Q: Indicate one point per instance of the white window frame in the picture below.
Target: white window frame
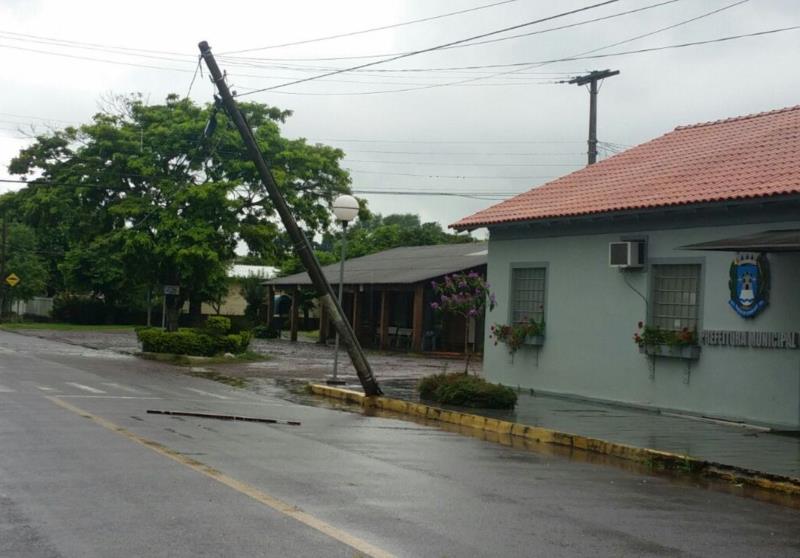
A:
(673, 304)
(535, 305)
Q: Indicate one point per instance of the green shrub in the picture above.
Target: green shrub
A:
(234, 342)
(265, 332)
(192, 342)
(466, 391)
(240, 323)
(217, 325)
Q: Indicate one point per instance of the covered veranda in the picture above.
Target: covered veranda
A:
(387, 298)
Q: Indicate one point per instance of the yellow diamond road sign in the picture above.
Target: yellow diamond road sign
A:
(12, 280)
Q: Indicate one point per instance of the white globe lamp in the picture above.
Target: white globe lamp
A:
(345, 208)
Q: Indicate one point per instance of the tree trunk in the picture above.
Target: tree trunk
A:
(149, 307)
(173, 311)
(195, 311)
(466, 346)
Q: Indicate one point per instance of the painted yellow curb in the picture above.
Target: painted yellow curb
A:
(653, 458)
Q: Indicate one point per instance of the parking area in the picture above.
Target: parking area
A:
(303, 360)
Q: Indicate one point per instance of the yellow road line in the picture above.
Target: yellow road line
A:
(295, 513)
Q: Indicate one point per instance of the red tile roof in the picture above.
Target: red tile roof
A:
(745, 157)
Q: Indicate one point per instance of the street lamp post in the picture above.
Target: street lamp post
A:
(345, 208)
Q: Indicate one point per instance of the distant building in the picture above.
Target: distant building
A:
(234, 303)
(697, 235)
(387, 296)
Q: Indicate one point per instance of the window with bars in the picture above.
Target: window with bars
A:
(675, 297)
(527, 294)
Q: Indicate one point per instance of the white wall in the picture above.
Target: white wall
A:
(591, 316)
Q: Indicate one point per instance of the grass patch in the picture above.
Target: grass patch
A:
(57, 326)
(466, 391)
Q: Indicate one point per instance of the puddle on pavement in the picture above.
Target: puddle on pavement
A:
(296, 392)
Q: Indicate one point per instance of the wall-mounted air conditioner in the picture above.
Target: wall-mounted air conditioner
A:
(626, 255)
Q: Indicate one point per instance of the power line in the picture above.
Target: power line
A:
(93, 59)
(433, 48)
(135, 53)
(256, 76)
(608, 55)
(479, 196)
(36, 117)
(460, 68)
(462, 163)
(370, 30)
(596, 56)
(581, 56)
(477, 43)
(487, 195)
(472, 153)
(454, 176)
(478, 142)
(96, 46)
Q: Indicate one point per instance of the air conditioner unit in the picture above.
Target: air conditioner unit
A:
(626, 255)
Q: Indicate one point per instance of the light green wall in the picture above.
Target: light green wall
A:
(591, 316)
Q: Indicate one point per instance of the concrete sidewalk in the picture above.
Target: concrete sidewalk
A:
(706, 440)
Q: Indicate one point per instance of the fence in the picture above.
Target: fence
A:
(37, 306)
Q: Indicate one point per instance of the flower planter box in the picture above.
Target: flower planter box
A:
(685, 352)
(534, 340)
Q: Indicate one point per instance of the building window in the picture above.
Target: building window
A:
(676, 293)
(527, 294)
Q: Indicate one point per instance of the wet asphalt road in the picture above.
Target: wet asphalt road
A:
(85, 472)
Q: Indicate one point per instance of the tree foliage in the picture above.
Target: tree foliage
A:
(24, 261)
(139, 197)
(374, 233)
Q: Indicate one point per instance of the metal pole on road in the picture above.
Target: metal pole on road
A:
(301, 244)
(334, 380)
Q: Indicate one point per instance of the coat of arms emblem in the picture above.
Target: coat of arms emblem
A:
(749, 284)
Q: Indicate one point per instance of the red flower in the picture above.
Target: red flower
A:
(641, 325)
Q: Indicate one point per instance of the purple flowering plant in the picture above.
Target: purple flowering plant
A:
(464, 294)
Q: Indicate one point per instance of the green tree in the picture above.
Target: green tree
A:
(375, 233)
(254, 292)
(140, 197)
(24, 261)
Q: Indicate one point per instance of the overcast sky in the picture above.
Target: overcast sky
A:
(494, 135)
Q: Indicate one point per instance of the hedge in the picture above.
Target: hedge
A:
(266, 332)
(466, 391)
(217, 325)
(192, 342)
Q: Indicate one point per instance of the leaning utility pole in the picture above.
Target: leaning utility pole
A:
(592, 78)
(299, 239)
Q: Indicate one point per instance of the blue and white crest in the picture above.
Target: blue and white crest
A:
(749, 284)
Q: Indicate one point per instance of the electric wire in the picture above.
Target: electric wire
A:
(471, 153)
(459, 68)
(460, 163)
(476, 43)
(370, 30)
(580, 56)
(453, 176)
(465, 193)
(433, 48)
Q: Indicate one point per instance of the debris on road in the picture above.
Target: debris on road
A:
(222, 417)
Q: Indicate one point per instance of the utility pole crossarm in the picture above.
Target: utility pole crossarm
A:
(301, 244)
(593, 76)
(591, 79)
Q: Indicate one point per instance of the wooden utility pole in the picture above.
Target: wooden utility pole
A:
(299, 239)
(592, 78)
